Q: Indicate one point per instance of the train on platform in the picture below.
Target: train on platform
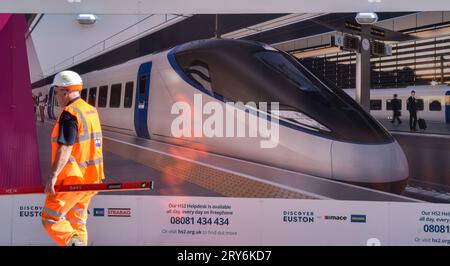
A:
(322, 131)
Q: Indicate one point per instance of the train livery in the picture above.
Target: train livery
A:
(322, 131)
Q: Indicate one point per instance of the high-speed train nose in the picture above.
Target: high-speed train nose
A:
(383, 167)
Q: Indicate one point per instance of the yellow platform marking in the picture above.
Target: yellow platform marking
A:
(227, 184)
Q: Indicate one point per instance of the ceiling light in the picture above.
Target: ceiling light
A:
(86, 19)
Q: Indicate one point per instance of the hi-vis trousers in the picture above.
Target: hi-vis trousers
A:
(65, 214)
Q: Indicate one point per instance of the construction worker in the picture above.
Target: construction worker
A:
(76, 159)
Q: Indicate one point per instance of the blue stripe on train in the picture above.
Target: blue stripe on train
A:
(142, 100)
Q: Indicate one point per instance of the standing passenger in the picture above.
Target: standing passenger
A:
(412, 107)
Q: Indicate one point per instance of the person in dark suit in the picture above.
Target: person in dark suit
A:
(396, 107)
(412, 107)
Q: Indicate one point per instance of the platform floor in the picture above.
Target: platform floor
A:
(432, 127)
(120, 169)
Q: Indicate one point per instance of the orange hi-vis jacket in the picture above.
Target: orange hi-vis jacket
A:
(86, 159)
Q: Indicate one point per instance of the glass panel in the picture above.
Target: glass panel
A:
(84, 94)
(435, 105)
(142, 83)
(128, 101)
(116, 93)
(375, 104)
(92, 96)
(103, 96)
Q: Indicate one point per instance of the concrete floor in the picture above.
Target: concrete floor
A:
(120, 169)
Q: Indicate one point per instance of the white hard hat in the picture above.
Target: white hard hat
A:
(67, 78)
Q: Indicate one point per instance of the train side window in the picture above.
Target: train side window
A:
(128, 101)
(419, 104)
(375, 104)
(84, 94)
(199, 72)
(102, 96)
(435, 105)
(92, 96)
(116, 93)
(389, 104)
(142, 83)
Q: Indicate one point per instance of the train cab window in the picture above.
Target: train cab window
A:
(102, 96)
(84, 94)
(199, 72)
(435, 105)
(92, 96)
(375, 104)
(142, 84)
(116, 93)
(128, 100)
(389, 104)
(284, 67)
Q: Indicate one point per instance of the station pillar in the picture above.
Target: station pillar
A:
(363, 79)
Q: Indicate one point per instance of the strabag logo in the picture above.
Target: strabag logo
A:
(298, 216)
(335, 218)
(358, 218)
(119, 212)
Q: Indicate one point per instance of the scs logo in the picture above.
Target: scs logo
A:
(358, 218)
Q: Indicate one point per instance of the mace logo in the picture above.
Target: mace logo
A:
(119, 212)
(335, 217)
(358, 218)
(99, 212)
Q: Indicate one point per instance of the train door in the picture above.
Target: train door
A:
(447, 107)
(141, 103)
